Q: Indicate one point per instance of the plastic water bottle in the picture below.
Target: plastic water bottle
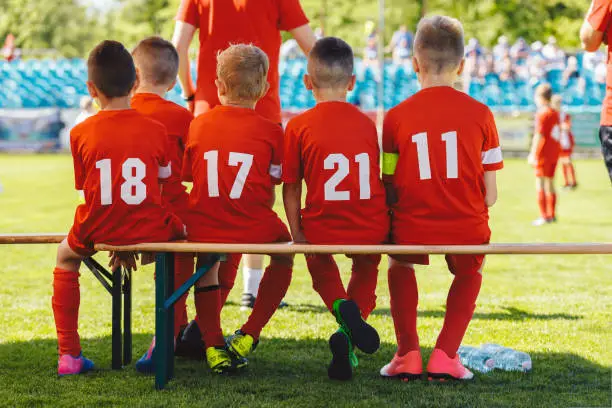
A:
(476, 359)
(507, 359)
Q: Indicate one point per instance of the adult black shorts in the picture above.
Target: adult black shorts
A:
(605, 135)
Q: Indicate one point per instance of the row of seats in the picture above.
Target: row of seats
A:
(61, 83)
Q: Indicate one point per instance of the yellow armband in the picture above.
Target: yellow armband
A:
(389, 163)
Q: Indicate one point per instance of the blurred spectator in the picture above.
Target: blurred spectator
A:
(402, 39)
(502, 48)
(318, 33)
(507, 72)
(87, 109)
(536, 50)
(571, 70)
(600, 72)
(537, 69)
(555, 56)
(590, 60)
(290, 49)
(402, 52)
(520, 51)
(473, 48)
(370, 53)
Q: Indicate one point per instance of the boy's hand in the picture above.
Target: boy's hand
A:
(147, 258)
(531, 159)
(191, 106)
(123, 259)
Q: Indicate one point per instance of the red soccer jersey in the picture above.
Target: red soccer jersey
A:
(233, 157)
(599, 18)
(176, 120)
(334, 148)
(226, 22)
(445, 141)
(547, 124)
(119, 159)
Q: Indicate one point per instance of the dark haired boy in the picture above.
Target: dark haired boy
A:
(120, 177)
(333, 147)
(157, 65)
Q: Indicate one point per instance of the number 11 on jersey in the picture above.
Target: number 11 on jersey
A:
(452, 165)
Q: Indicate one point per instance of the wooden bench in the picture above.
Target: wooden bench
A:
(166, 296)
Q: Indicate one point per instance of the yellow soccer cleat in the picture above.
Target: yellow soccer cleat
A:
(241, 344)
(219, 360)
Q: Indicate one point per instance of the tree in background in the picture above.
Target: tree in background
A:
(72, 28)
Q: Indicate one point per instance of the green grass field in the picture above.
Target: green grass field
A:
(557, 308)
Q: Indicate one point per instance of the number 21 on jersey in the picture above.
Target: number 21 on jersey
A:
(342, 164)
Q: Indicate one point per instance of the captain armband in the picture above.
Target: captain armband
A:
(389, 163)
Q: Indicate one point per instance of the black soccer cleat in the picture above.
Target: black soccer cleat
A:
(189, 343)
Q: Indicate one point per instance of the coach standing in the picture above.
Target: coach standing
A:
(594, 31)
(225, 22)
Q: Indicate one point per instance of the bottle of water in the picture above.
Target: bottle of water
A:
(476, 359)
(507, 359)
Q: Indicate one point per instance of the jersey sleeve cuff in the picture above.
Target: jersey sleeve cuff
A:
(493, 166)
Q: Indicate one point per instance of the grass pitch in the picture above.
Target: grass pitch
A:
(556, 308)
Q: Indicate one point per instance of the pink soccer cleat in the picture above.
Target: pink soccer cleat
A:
(442, 367)
(408, 367)
(68, 365)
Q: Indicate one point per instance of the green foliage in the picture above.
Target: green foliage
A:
(71, 28)
(556, 308)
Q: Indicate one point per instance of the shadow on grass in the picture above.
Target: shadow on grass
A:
(509, 313)
(285, 372)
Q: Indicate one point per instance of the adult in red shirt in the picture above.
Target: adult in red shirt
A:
(594, 31)
(223, 22)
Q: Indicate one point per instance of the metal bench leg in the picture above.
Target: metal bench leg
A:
(170, 314)
(127, 317)
(164, 266)
(117, 358)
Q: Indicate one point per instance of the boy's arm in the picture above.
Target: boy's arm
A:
(183, 35)
(79, 168)
(292, 199)
(532, 158)
(304, 37)
(490, 178)
(594, 26)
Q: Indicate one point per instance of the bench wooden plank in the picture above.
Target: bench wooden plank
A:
(30, 238)
(536, 248)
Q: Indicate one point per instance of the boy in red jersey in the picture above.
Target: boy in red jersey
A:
(334, 148)
(119, 169)
(157, 64)
(441, 152)
(233, 157)
(544, 155)
(567, 143)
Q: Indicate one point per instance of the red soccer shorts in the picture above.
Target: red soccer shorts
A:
(82, 241)
(457, 264)
(566, 153)
(546, 168)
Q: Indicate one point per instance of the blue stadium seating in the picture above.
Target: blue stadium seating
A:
(61, 83)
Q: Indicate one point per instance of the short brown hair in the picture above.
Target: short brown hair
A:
(243, 68)
(330, 63)
(439, 44)
(544, 91)
(111, 69)
(157, 61)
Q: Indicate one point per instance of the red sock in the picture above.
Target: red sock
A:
(326, 279)
(542, 204)
(460, 306)
(272, 290)
(551, 205)
(227, 275)
(208, 309)
(183, 269)
(566, 174)
(362, 286)
(404, 294)
(65, 301)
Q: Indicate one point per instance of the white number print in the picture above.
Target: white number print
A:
(341, 162)
(452, 162)
(556, 133)
(245, 161)
(133, 190)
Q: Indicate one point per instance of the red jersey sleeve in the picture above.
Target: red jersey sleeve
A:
(276, 165)
(292, 166)
(79, 167)
(163, 160)
(188, 12)
(540, 120)
(291, 15)
(491, 151)
(599, 15)
(187, 165)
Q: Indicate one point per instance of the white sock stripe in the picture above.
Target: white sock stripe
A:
(165, 172)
